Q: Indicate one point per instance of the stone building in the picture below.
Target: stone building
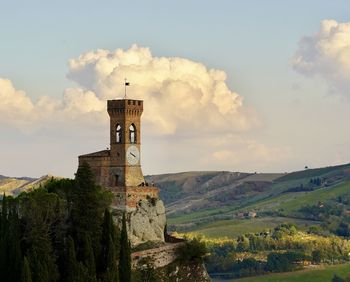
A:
(118, 169)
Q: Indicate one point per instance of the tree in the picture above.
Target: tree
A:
(88, 204)
(71, 265)
(242, 244)
(317, 256)
(89, 259)
(26, 272)
(278, 263)
(39, 214)
(108, 257)
(125, 254)
(192, 250)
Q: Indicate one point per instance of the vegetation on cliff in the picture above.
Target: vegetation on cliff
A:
(61, 231)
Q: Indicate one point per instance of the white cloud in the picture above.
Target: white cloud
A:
(327, 54)
(17, 108)
(180, 95)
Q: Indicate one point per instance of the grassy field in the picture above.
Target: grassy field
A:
(286, 203)
(293, 201)
(316, 172)
(319, 274)
(235, 227)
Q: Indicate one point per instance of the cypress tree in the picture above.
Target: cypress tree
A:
(125, 254)
(10, 236)
(71, 264)
(39, 269)
(108, 259)
(111, 272)
(14, 260)
(26, 272)
(89, 202)
(4, 239)
(89, 259)
(38, 214)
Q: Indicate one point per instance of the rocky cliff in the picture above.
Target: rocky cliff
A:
(146, 223)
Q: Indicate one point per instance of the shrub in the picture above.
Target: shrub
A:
(192, 250)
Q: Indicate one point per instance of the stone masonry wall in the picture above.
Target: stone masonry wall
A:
(160, 256)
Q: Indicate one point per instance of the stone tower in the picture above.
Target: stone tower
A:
(125, 137)
(118, 169)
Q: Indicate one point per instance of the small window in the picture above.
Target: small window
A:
(116, 180)
(118, 134)
(132, 133)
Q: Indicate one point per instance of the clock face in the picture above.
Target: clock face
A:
(133, 155)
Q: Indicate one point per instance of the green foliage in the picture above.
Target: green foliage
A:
(193, 250)
(26, 272)
(242, 243)
(317, 256)
(125, 254)
(282, 249)
(10, 237)
(110, 247)
(89, 202)
(282, 262)
(71, 264)
(61, 232)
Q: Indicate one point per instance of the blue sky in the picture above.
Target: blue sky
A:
(253, 42)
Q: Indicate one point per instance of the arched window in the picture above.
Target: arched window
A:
(118, 134)
(132, 133)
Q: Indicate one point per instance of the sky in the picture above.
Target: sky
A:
(254, 86)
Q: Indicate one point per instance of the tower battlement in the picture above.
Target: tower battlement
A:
(124, 106)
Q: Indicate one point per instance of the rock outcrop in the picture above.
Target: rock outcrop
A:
(146, 223)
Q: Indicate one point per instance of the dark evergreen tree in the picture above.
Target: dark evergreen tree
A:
(71, 269)
(14, 259)
(26, 272)
(111, 272)
(89, 259)
(39, 213)
(125, 254)
(108, 258)
(88, 204)
(10, 236)
(4, 230)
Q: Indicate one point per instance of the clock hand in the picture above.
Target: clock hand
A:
(132, 155)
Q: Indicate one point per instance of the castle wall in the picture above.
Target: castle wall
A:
(100, 168)
(127, 198)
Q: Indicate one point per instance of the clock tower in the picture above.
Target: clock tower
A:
(125, 142)
(118, 169)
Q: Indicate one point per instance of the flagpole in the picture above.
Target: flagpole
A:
(124, 88)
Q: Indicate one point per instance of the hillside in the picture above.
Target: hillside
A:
(194, 191)
(196, 199)
(16, 185)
